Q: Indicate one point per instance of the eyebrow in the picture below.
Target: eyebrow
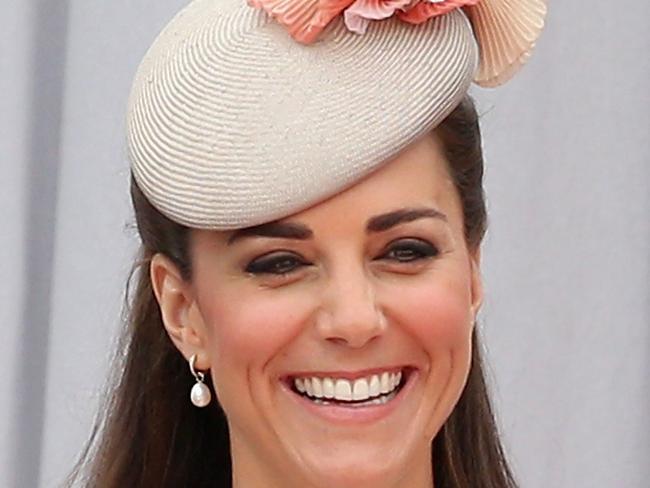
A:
(284, 230)
(379, 223)
(386, 221)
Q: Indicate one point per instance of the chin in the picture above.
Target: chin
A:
(347, 469)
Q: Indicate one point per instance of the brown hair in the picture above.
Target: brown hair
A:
(148, 433)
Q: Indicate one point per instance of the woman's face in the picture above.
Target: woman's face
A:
(307, 320)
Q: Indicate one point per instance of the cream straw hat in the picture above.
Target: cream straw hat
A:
(242, 114)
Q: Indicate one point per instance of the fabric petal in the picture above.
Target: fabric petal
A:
(303, 19)
(355, 22)
(376, 9)
(423, 11)
(506, 31)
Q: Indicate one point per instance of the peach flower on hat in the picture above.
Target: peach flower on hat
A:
(506, 30)
(426, 9)
(358, 15)
(304, 20)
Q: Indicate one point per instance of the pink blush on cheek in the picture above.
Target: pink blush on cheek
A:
(433, 315)
(254, 329)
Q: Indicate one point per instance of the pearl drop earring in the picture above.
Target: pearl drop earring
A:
(200, 394)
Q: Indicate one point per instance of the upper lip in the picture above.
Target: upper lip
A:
(349, 375)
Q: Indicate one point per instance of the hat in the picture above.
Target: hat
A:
(245, 113)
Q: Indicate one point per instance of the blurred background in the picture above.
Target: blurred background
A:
(566, 260)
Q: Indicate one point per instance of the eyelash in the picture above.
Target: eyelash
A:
(272, 264)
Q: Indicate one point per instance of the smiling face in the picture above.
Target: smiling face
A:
(366, 300)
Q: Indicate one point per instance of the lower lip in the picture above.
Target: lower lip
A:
(355, 415)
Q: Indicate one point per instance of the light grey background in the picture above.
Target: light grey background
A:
(566, 260)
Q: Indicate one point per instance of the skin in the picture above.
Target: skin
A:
(344, 299)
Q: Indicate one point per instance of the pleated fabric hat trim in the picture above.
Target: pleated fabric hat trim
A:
(507, 31)
(232, 123)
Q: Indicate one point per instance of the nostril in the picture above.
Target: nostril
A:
(356, 339)
(337, 340)
(351, 331)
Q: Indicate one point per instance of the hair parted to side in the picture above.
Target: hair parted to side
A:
(148, 434)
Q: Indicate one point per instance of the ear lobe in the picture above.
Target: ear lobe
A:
(176, 302)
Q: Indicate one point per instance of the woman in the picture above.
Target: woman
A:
(311, 211)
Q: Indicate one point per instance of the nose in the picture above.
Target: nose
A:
(350, 313)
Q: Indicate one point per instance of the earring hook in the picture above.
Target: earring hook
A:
(198, 375)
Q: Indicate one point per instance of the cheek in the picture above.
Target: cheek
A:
(436, 312)
(248, 329)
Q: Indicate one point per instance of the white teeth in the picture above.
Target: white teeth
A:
(328, 388)
(360, 390)
(300, 385)
(308, 388)
(375, 401)
(317, 387)
(345, 390)
(385, 383)
(375, 386)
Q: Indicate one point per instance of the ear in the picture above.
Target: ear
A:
(179, 310)
(476, 281)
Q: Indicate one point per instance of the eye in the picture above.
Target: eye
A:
(410, 250)
(275, 264)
